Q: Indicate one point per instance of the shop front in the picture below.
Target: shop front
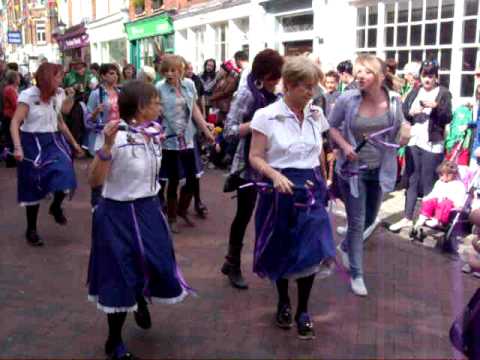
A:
(109, 42)
(149, 38)
(74, 44)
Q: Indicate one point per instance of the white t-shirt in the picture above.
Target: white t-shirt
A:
(419, 131)
(453, 190)
(289, 144)
(134, 169)
(42, 116)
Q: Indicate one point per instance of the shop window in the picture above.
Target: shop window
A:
(402, 35)
(402, 59)
(417, 10)
(199, 41)
(389, 13)
(467, 85)
(448, 8)
(221, 45)
(297, 23)
(402, 14)
(389, 32)
(431, 10)
(445, 59)
(417, 55)
(372, 38)
(415, 35)
(373, 15)
(361, 17)
(469, 30)
(157, 4)
(361, 38)
(471, 7)
(446, 33)
(430, 34)
(469, 59)
(40, 32)
(390, 55)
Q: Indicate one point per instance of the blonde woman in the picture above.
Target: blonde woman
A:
(365, 174)
(178, 98)
(293, 233)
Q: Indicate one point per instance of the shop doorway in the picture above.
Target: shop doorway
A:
(293, 48)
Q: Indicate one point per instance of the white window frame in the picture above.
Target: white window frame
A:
(40, 32)
(474, 45)
(219, 43)
(455, 72)
(199, 33)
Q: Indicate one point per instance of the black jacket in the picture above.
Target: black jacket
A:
(439, 117)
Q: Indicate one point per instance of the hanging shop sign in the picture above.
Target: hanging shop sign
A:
(14, 37)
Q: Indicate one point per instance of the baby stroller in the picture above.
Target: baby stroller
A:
(459, 225)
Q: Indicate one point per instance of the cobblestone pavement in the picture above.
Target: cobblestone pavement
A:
(414, 293)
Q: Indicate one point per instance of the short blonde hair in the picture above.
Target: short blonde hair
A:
(172, 61)
(298, 69)
(372, 63)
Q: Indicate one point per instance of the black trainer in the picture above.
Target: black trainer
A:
(33, 238)
(58, 215)
(284, 316)
(305, 327)
(142, 317)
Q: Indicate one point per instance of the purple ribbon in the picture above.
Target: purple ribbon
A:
(36, 164)
(267, 187)
(146, 290)
(139, 129)
(373, 137)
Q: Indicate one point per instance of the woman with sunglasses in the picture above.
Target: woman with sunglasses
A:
(429, 110)
(293, 232)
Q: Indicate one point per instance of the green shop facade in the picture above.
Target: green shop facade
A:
(148, 38)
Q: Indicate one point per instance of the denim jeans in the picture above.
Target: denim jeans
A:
(361, 213)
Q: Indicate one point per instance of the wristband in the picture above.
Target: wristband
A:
(103, 156)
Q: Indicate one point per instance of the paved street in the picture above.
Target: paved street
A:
(414, 294)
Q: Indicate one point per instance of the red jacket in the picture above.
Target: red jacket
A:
(10, 95)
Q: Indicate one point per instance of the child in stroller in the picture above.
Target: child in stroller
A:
(448, 193)
(454, 223)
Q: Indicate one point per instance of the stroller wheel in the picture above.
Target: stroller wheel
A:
(413, 234)
(421, 236)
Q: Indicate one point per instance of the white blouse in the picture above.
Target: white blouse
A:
(291, 145)
(134, 168)
(42, 116)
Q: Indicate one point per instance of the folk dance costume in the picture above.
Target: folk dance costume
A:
(132, 255)
(47, 166)
(293, 233)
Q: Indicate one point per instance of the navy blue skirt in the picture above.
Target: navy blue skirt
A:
(293, 237)
(47, 167)
(132, 255)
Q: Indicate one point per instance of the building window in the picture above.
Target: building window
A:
(297, 23)
(470, 47)
(412, 30)
(367, 27)
(199, 43)
(139, 6)
(157, 4)
(40, 32)
(221, 45)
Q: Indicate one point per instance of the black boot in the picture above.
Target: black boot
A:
(183, 205)
(33, 238)
(234, 273)
(142, 315)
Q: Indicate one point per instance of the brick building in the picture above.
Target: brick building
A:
(34, 20)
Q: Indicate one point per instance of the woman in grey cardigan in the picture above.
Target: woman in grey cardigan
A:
(366, 125)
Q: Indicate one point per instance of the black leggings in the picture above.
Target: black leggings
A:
(32, 210)
(246, 200)
(304, 287)
(422, 177)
